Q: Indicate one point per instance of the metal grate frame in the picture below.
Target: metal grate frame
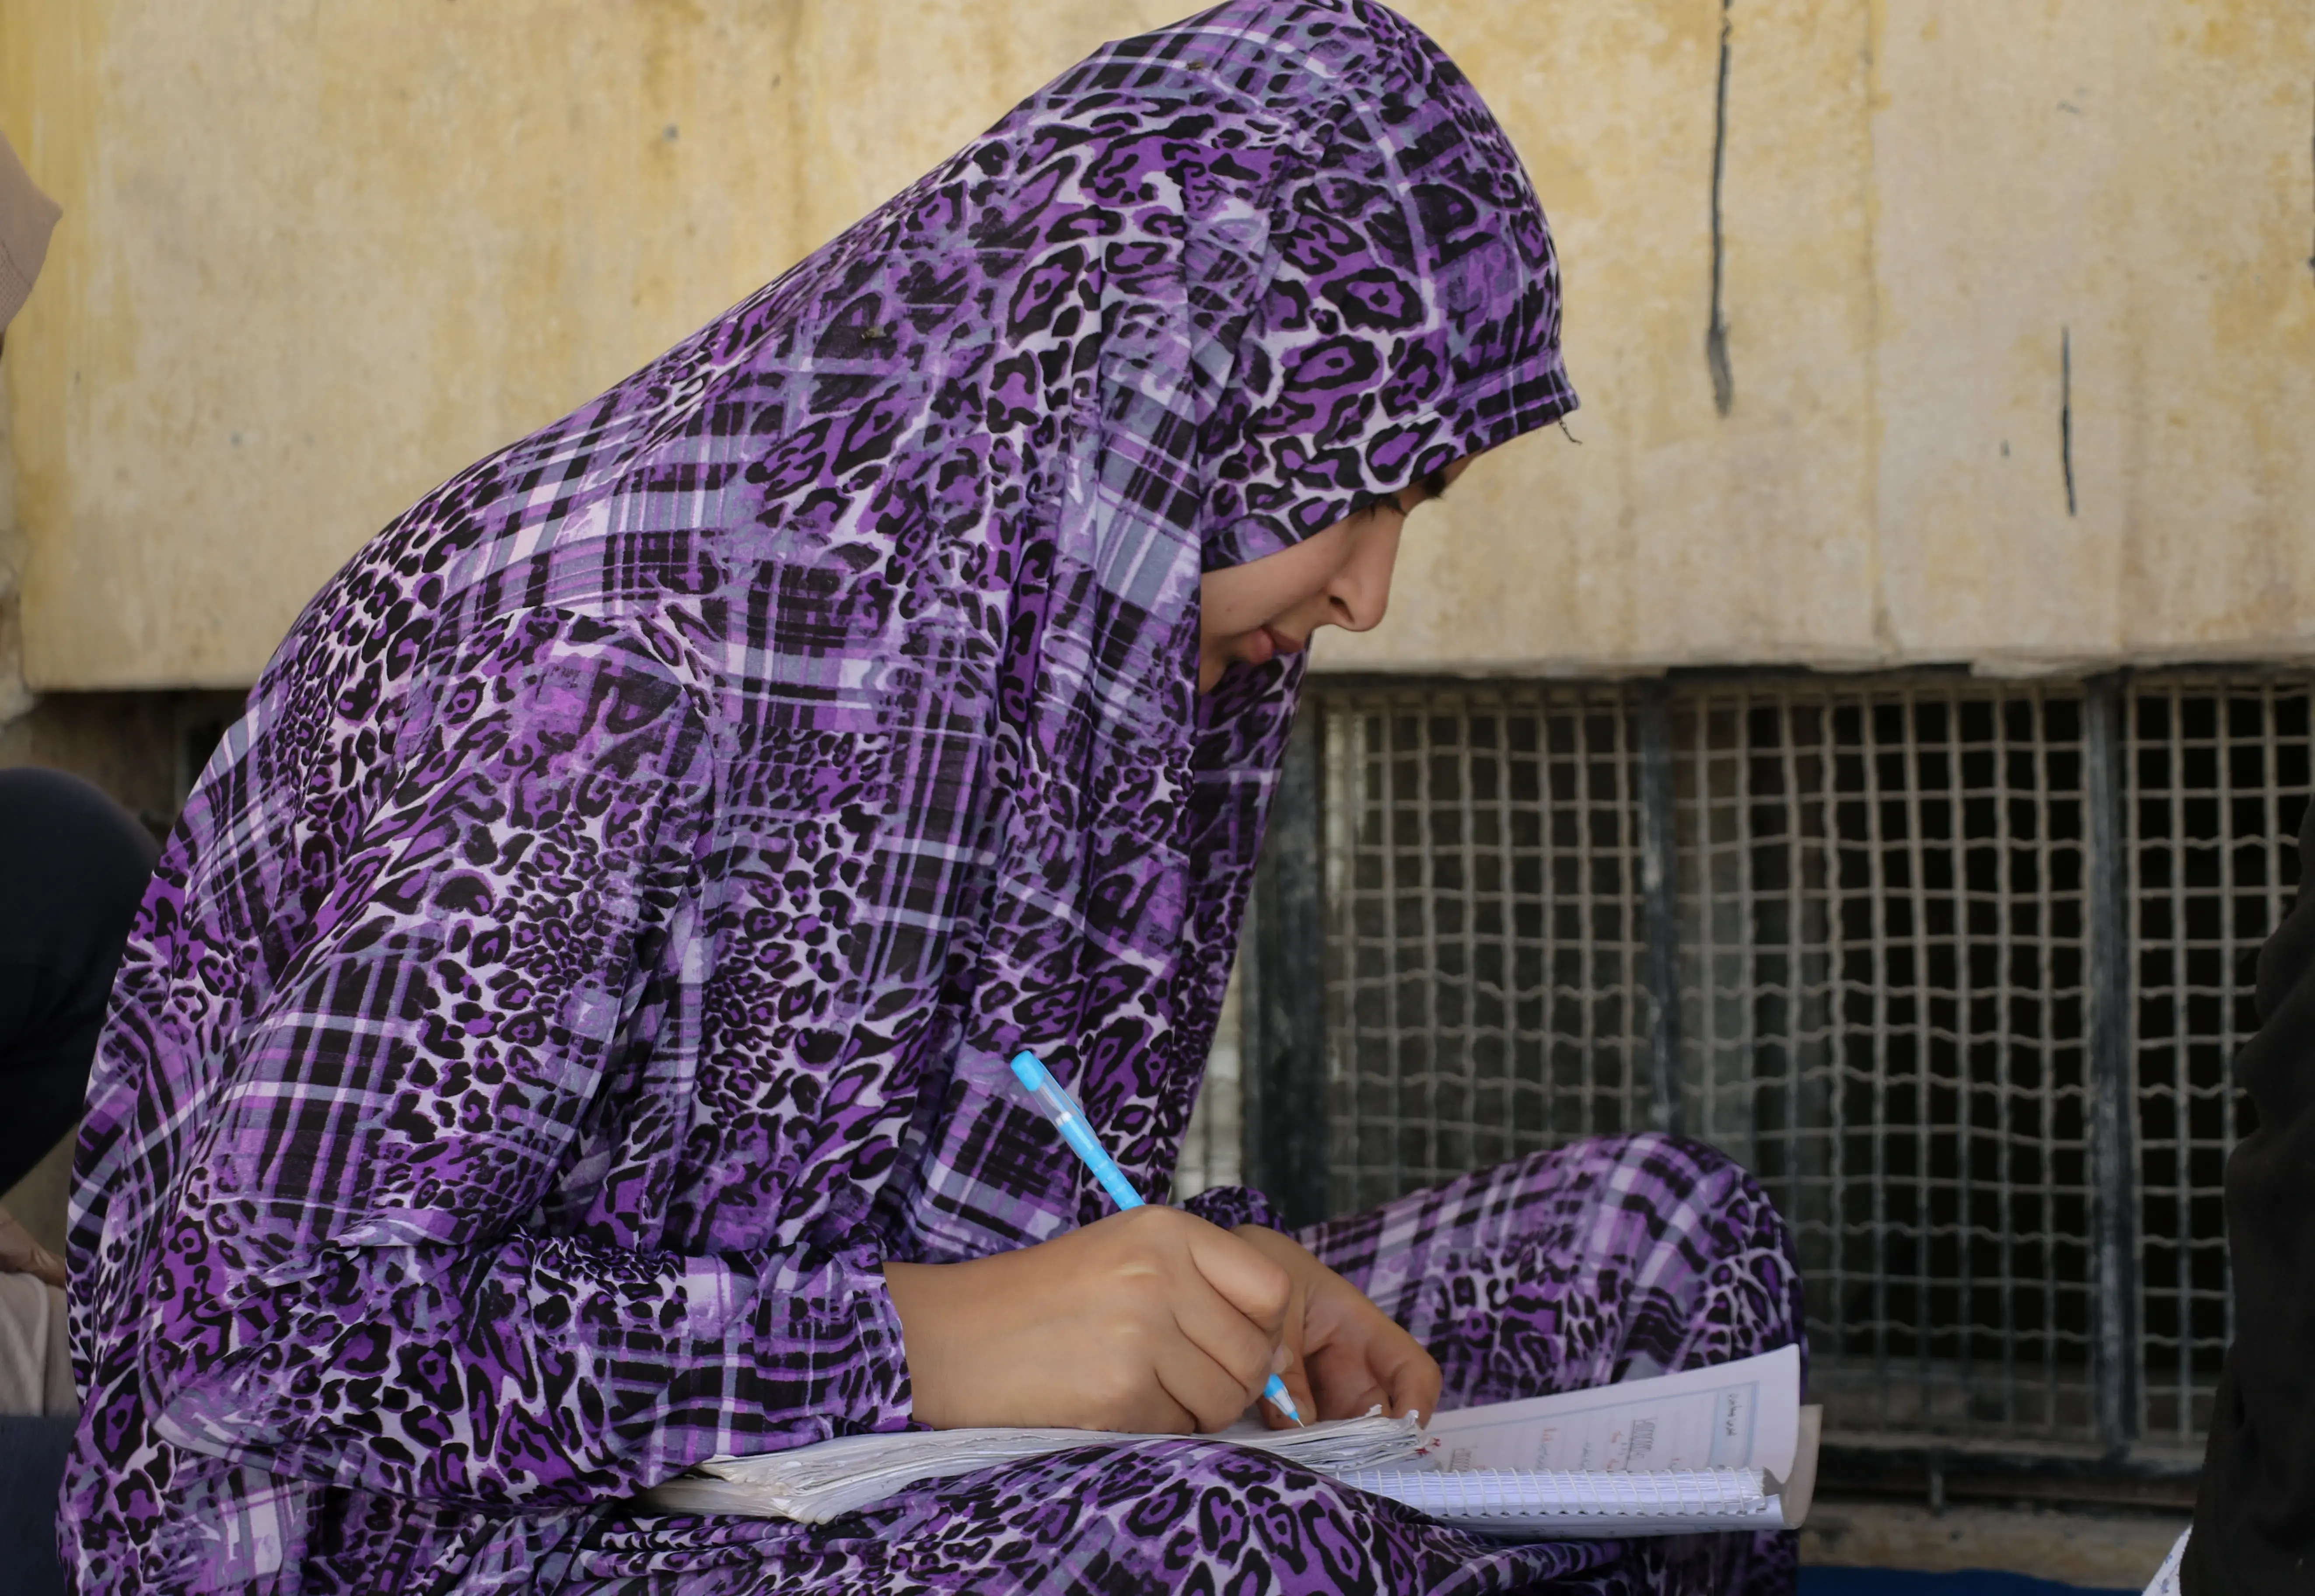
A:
(1956, 967)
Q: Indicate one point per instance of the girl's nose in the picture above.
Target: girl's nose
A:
(1360, 591)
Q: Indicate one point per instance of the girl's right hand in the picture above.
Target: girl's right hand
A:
(1151, 1320)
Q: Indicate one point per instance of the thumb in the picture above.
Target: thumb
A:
(1245, 1279)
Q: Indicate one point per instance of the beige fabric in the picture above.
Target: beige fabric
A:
(20, 1254)
(27, 217)
(35, 1358)
(41, 1202)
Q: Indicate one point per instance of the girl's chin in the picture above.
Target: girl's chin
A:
(1257, 647)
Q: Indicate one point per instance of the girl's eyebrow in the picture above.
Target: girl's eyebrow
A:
(1433, 486)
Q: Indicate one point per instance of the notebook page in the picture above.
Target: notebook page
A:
(1744, 1415)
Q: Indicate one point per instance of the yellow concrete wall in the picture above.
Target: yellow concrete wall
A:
(316, 257)
(1926, 203)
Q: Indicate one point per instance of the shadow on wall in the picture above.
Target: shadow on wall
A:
(144, 748)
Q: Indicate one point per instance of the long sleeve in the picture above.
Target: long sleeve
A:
(355, 1285)
(2254, 1515)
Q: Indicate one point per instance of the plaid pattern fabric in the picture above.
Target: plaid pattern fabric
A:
(1562, 1270)
(577, 974)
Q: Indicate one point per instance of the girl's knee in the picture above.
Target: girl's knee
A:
(1704, 1203)
(1675, 1175)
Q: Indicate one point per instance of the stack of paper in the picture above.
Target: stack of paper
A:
(1723, 1447)
(815, 1484)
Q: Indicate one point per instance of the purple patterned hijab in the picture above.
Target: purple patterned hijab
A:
(585, 964)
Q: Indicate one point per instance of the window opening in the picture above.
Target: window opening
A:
(1887, 989)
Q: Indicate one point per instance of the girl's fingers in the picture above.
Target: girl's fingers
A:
(1298, 1385)
(1413, 1380)
(1239, 1347)
(1211, 1394)
(1306, 1400)
(1354, 1384)
(1364, 1360)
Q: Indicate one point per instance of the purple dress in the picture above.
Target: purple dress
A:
(592, 956)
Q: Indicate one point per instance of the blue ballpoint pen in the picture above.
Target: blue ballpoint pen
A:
(1069, 1119)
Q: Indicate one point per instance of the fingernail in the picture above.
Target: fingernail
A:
(1280, 1359)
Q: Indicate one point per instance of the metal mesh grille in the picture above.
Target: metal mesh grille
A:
(1213, 1142)
(2218, 782)
(1484, 948)
(1883, 915)
(1884, 979)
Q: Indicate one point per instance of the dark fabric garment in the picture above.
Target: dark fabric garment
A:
(2255, 1519)
(32, 1467)
(73, 868)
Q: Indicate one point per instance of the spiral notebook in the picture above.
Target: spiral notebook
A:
(1727, 1447)
(1562, 1505)
(1723, 1447)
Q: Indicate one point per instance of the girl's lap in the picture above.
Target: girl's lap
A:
(1178, 1515)
(1559, 1269)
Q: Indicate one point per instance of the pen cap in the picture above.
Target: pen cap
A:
(1039, 1083)
(1053, 1100)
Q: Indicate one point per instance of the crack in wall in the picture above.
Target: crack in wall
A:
(2066, 412)
(1716, 335)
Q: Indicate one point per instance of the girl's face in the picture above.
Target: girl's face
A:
(1341, 577)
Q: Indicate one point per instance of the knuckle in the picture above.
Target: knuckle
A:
(1130, 1344)
(1277, 1285)
(1144, 1297)
(1152, 1220)
(1147, 1234)
(1113, 1388)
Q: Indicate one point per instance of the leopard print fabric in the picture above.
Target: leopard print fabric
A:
(589, 960)
(1598, 1261)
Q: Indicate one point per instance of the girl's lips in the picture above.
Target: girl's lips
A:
(1262, 646)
